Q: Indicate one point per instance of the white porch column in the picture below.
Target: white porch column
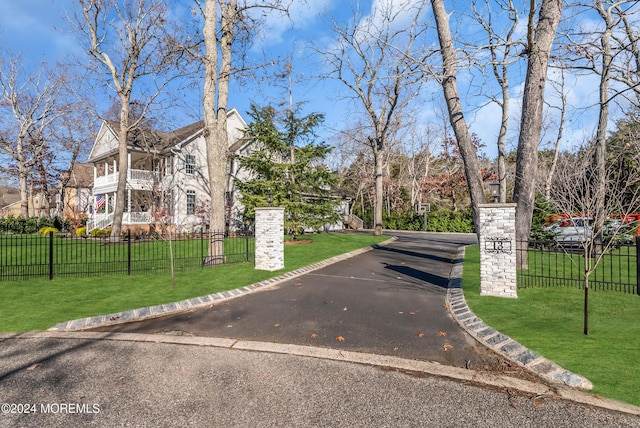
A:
(115, 167)
(129, 200)
(128, 165)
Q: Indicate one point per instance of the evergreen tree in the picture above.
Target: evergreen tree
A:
(286, 169)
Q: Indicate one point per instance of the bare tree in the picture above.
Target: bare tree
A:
(228, 28)
(454, 106)
(540, 38)
(560, 87)
(126, 40)
(576, 188)
(378, 61)
(501, 51)
(30, 103)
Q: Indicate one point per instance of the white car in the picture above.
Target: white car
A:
(571, 231)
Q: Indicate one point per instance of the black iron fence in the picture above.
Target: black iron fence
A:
(53, 255)
(548, 264)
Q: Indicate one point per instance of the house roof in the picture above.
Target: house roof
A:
(81, 176)
(146, 140)
(8, 196)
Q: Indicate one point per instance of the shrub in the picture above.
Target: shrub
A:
(100, 233)
(81, 231)
(31, 225)
(441, 220)
(47, 230)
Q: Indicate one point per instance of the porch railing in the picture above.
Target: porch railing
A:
(102, 220)
(135, 175)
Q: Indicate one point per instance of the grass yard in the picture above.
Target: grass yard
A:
(549, 322)
(616, 271)
(38, 304)
(29, 254)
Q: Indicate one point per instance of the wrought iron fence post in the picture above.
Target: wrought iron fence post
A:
(638, 265)
(202, 247)
(51, 255)
(129, 252)
(246, 246)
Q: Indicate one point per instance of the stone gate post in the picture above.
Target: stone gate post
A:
(498, 250)
(269, 238)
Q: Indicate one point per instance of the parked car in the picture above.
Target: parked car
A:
(571, 231)
(578, 230)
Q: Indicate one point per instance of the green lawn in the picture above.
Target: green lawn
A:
(616, 270)
(550, 322)
(38, 304)
(79, 257)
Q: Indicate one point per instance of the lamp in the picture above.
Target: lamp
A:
(494, 191)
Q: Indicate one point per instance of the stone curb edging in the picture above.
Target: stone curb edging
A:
(202, 301)
(500, 343)
(388, 362)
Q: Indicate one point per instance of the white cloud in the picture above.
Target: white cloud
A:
(276, 23)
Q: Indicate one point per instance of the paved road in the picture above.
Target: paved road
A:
(113, 383)
(389, 301)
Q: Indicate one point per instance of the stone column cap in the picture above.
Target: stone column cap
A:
(497, 205)
(269, 208)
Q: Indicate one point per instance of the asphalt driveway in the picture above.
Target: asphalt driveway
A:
(388, 301)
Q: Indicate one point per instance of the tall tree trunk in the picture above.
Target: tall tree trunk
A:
(502, 136)
(539, 49)
(456, 117)
(215, 99)
(601, 133)
(556, 149)
(123, 160)
(24, 193)
(377, 211)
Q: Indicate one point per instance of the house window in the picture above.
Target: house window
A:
(190, 164)
(191, 202)
(168, 166)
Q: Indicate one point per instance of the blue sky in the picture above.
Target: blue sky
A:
(37, 29)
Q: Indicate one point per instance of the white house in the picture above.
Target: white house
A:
(167, 178)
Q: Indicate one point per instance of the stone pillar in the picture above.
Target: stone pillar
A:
(269, 238)
(498, 250)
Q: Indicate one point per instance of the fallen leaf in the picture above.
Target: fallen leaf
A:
(401, 312)
(313, 335)
(442, 333)
(396, 348)
(340, 339)
(33, 366)
(276, 325)
(402, 263)
(536, 403)
(412, 313)
(373, 273)
(445, 306)
(447, 346)
(345, 308)
(297, 284)
(420, 334)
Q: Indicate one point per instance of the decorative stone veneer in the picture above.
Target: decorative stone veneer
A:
(269, 238)
(498, 250)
